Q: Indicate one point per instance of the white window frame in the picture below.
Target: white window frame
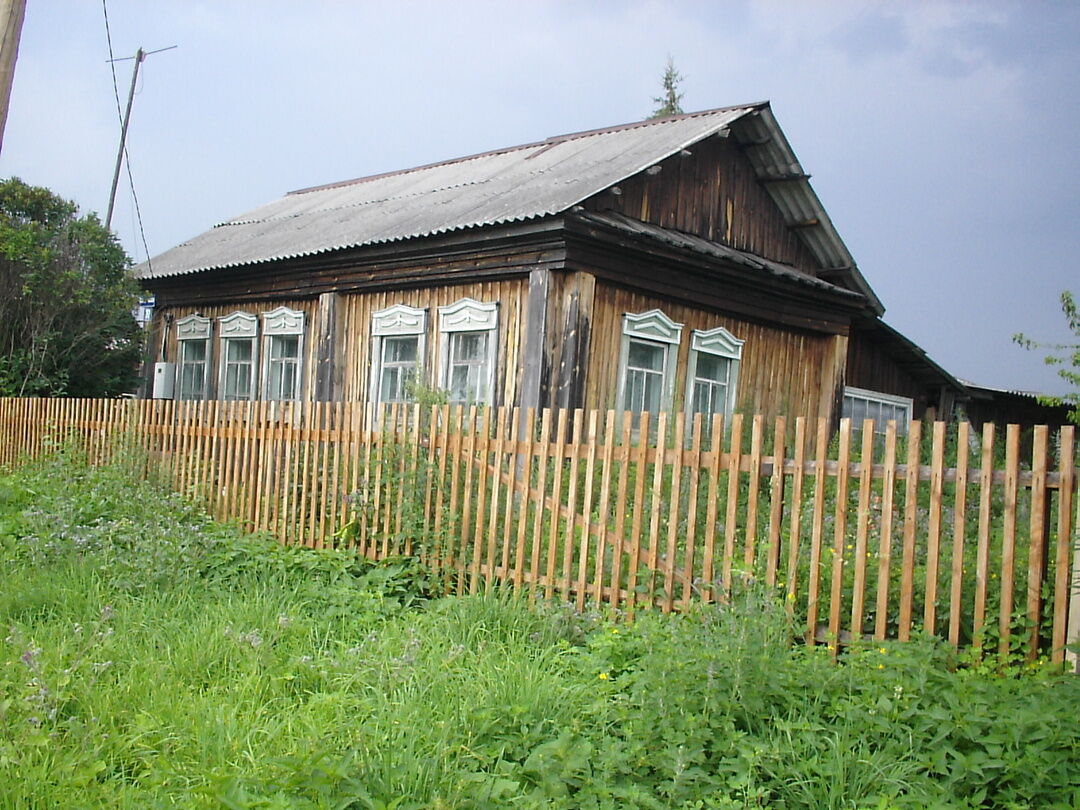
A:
(851, 392)
(188, 330)
(470, 316)
(238, 326)
(399, 320)
(650, 327)
(720, 343)
(278, 323)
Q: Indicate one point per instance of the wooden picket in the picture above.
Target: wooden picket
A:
(865, 535)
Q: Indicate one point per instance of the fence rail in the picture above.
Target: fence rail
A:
(868, 535)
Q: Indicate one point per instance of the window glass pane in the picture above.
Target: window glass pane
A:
(284, 347)
(194, 351)
(193, 369)
(646, 356)
(701, 402)
(238, 381)
(282, 369)
(861, 406)
(459, 384)
(711, 367)
(468, 369)
(469, 347)
(399, 349)
(238, 350)
(654, 384)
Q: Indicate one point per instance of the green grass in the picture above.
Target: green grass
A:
(152, 658)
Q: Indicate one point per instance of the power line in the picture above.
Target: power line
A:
(139, 57)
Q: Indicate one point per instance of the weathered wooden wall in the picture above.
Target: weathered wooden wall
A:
(714, 193)
(162, 317)
(782, 372)
(354, 347)
(871, 367)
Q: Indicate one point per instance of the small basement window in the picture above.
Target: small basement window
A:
(860, 404)
(283, 346)
(397, 351)
(468, 347)
(193, 339)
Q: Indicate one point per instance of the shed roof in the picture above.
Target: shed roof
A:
(502, 186)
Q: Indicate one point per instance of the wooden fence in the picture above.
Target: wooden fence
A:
(866, 535)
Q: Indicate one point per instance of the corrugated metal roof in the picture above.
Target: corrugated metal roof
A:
(508, 185)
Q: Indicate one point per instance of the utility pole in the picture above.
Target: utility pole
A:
(11, 21)
(140, 55)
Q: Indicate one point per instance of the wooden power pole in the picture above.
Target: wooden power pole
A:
(11, 21)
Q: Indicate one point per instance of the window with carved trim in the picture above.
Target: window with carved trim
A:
(712, 374)
(239, 339)
(468, 348)
(193, 350)
(397, 351)
(650, 347)
(283, 347)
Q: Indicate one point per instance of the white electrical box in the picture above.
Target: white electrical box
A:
(164, 379)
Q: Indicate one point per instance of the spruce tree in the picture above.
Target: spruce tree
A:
(668, 103)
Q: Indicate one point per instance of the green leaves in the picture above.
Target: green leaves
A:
(66, 301)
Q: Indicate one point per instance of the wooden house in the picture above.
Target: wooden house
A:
(682, 263)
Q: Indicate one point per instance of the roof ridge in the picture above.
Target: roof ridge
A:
(550, 141)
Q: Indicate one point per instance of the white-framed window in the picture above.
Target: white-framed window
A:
(712, 373)
(239, 352)
(283, 353)
(860, 404)
(468, 346)
(193, 350)
(397, 351)
(650, 349)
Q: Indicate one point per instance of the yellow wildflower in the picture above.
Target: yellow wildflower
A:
(604, 676)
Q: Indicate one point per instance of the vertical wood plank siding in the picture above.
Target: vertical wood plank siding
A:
(214, 311)
(352, 352)
(782, 372)
(871, 367)
(862, 540)
(356, 310)
(713, 193)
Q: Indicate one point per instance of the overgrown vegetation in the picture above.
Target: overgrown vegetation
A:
(154, 658)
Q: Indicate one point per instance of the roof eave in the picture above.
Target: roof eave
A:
(777, 166)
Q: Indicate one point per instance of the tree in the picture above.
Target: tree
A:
(668, 103)
(66, 300)
(1066, 356)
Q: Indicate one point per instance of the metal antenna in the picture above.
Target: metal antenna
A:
(140, 55)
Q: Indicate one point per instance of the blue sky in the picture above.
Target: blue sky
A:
(940, 135)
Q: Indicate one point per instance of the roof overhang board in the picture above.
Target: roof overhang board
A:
(778, 169)
(675, 266)
(908, 355)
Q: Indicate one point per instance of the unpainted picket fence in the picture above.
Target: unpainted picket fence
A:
(866, 535)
